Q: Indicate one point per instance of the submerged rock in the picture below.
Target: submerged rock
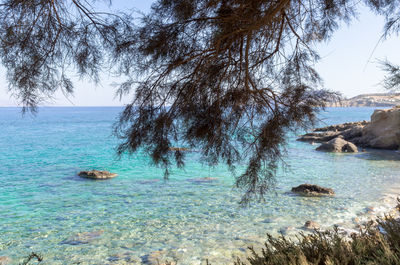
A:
(123, 258)
(97, 174)
(82, 238)
(312, 190)
(182, 149)
(311, 225)
(4, 260)
(203, 180)
(370, 209)
(338, 145)
(149, 181)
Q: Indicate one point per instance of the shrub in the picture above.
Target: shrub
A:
(375, 243)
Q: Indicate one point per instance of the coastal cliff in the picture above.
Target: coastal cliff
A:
(369, 100)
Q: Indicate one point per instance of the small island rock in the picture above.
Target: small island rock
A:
(338, 145)
(312, 190)
(97, 174)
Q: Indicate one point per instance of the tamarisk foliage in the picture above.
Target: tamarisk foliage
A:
(226, 77)
(44, 40)
(229, 78)
(392, 78)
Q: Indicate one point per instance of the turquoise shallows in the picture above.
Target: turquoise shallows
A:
(138, 217)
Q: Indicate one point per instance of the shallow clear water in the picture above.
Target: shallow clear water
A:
(137, 217)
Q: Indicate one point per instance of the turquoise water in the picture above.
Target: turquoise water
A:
(138, 218)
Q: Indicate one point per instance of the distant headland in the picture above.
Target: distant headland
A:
(369, 100)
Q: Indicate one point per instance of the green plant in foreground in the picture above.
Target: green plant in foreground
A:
(377, 243)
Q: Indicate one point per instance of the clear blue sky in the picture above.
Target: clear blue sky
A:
(348, 63)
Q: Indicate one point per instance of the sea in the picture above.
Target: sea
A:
(140, 218)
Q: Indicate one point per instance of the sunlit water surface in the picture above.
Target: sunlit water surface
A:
(138, 218)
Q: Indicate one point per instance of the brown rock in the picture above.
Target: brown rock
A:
(318, 137)
(313, 190)
(311, 225)
(384, 130)
(97, 174)
(338, 145)
(182, 149)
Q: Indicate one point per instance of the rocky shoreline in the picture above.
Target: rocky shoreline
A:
(382, 132)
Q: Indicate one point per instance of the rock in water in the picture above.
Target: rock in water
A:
(181, 149)
(97, 174)
(313, 190)
(157, 258)
(348, 131)
(203, 180)
(311, 225)
(338, 145)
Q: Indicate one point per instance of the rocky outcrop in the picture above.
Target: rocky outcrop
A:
(126, 257)
(97, 174)
(312, 190)
(338, 145)
(383, 132)
(349, 130)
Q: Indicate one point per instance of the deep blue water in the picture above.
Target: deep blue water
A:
(137, 217)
